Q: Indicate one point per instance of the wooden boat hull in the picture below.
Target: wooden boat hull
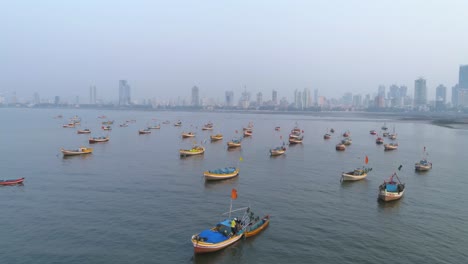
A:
(390, 147)
(92, 141)
(187, 152)
(216, 138)
(277, 152)
(75, 153)
(231, 144)
(217, 177)
(326, 137)
(390, 196)
(203, 247)
(143, 132)
(295, 141)
(83, 132)
(340, 147)
(266, 222)
(12, 182)
(349, 176)
(207, 128)
(187, 135)
(420, 167)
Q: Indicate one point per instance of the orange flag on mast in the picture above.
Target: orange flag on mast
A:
(234, 194)
(367, 159)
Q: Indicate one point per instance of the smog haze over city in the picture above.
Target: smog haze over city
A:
(164, 48)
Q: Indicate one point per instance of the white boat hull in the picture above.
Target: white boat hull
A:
(390, 196)
(351, 177)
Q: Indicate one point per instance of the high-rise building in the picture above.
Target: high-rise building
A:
(316, 97)
(92, 95)
(394, 92)
(357, 100)
(229, 98)
(306, 98)
(297, 99)
(57, 100)
(381, 91)
(124, 93)
(195, 96)
(420, 92)
(244, 101)
(274, 97)
(37, 100)
(259, 99)
(347, 99)
(403, 91)
(455, 96)
(463, 77)
(441, 94)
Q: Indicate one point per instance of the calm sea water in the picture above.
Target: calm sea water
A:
(135, 201)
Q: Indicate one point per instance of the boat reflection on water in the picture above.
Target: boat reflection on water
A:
(218, 184)
(389, 206)
(82, 157)
(361, 184)
(233, 253)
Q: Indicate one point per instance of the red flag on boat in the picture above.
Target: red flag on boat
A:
(234, 194)
(367, 159)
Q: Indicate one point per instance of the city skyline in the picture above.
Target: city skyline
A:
(163, 49)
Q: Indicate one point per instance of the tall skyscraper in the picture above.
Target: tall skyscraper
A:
(259, 99)
(357, 100)
(274, 97)
(124, 93)
(297, 99)
(57, 100)
(195, 96)
(455, 96)
(316, 97)
(229, 98)
(463, 77)
(441, 93)
(403, 91)
(306, 98)
(420, 92)
(381, 91)
(36, 100)
(347, 99)
(92, 95)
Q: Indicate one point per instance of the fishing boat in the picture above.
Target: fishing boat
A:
(154, 127)
(195, 150)
(326, 136)
(247, 133)
(391, 190)
(390, 146)
(384, 127)
(295, 140)
(188, 134)
(356, 174)
(393, 135)
(346, 134)
(277, 128)
(79, 151)
(83, 131)
(224, 234)
(144, 131)
(124, 125)
(69, 125)
(234, 143)
(332, 130)
(12, 181)
(423, 164)
(347, 141)
(166, 122)
(379, 141)
(257, 225)
(108, 122)
(385, 134)
(208, 126)
(221, 174)
(216, 137)
(98, 139)
(278, 151)
(106, 128)
(340, 147)
(248, 127)
(373, 132)
(178, 124)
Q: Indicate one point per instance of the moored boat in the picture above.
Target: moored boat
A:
(423, 164)
(379, 140)
(355, 175)
(234, 143)
(79, 151)
(124, 125)
(295, 140)
(208, 126)
(98, 139)
(278, 151)
(69, 125)
(373, 132)
(216, 137)
(154, 127)
(221, 174)
(340, 147)
(346, 134)
(326, 136)
(178, 124)
(391, 190)
(384, 127)
(106, 128)
(108, 122)
(390, 146)
(12, 181)
(347, 141)
(195, 150)
(332, 130)
(83, 131)
(144, 131)
(277, 128)
(248, 133)
(188, 134)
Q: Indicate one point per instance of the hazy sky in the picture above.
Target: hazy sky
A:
(163, 48)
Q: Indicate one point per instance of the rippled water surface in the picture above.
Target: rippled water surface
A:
(134, 200)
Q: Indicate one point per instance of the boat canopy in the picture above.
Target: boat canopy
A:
(211, 236)
(391, 187)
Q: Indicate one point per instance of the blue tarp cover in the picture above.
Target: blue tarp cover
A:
(226, 222)
(223, 171)
(392, 187)
(211, 236)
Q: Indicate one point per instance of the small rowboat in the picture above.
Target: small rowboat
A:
(340, 147)
(208, 126)
(84, 131)
(106, 128)
(258, 226)
(221, 174)
(247, 133)
(144, 131)
(326, 136)
(346, 134)
(391, 146)
(98, 139)
(293, 140)
(373, 132)
(277, 128)
(235, 143)
(357, 174)
(124, 125)
(188, 135)
(195, 150)
(332, 130)
(385, 134)
(391, 190)
(79, 151)
(154, 127)
(392, 136)
(347, 141)
(70, 125)
(108, 122)
(423, 165)
(216, 137)
(178, 124)
(277, 151)
(12, 181)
